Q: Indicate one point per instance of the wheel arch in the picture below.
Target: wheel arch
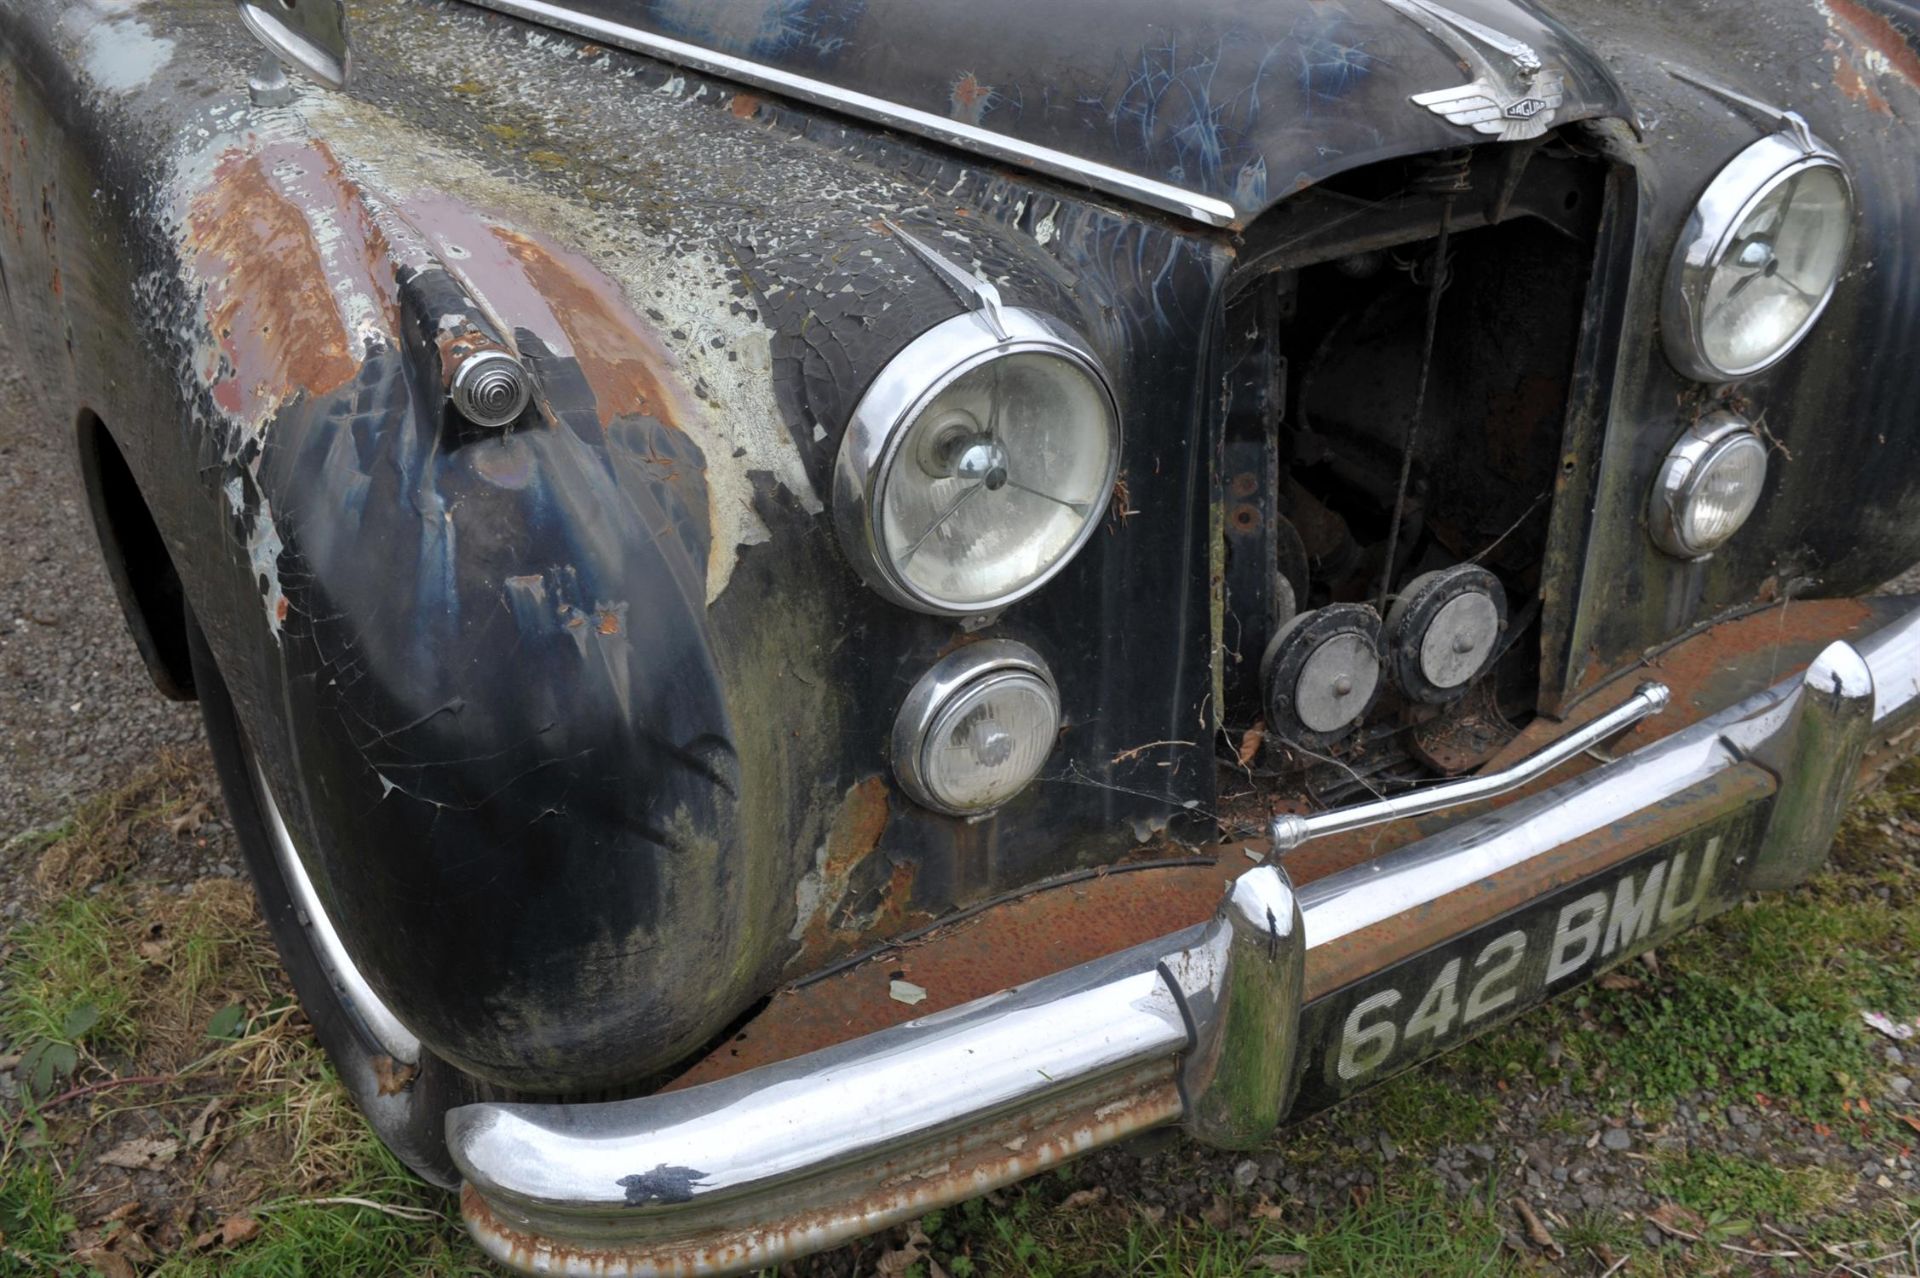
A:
(138, 564)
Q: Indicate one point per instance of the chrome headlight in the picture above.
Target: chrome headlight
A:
(977, 463)
(1759, 258)
(1708, 486)
(976, 728)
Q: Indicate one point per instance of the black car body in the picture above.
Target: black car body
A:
(582, 729)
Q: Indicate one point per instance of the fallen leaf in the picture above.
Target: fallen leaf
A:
(905, 992)
(391, 1076)
(1361, 1194)
(153, 952)
(1083, 1198)
(1676, 1221)
(1266, 1210)
(1250, 741)
(1537, 1232)
(142, 1153)
(201, 1126)
(894, 1264)
(1909, 1120)
(1291, 1262)
(235, 1230)
(129, 1208)
(1619, 981)
(8, 1061)
(106, 1262)
(190, 821)
(1153, 1215)
(1217, 1215)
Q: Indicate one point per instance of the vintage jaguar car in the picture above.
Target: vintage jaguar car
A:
(807, 607)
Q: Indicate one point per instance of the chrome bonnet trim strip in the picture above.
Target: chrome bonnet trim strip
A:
(1059, 164)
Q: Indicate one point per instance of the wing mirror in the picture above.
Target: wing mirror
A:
(308, 35)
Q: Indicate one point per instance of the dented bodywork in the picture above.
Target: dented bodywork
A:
(582, 726)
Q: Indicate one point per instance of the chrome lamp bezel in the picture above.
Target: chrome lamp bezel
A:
(1680, 474)
(1733, 193)
(958, 672)
(897, 396)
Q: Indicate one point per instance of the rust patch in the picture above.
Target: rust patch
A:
(391, 1077)
(812, 1215)
(1884, 42)
(827, 930)
(969, 99)
(1021, 940)
(269, 303)
(628, 370)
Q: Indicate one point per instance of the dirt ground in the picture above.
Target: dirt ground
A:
(1722, 1109)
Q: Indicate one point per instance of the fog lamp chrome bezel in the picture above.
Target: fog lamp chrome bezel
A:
(959, 673)
(1723, 207)
(909, 383)
(1688, 463)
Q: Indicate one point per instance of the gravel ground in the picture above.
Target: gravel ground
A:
(77, 711)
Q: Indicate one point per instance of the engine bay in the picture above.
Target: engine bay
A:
(1399, 358)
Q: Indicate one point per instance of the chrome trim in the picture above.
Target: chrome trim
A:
(1734, 191)
(490, 388)
(967, 286)
(1060, 164)
(911, 381)
(959, 672)
(1290, 830)
(1686, 465)
(383, 1028)
(795, 1156)
(308, 35)
(1234, 1081)
(1816, 754)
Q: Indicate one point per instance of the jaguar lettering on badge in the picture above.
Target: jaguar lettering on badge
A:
(1457, 989)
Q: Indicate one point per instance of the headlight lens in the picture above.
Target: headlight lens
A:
(1709, 485)
(974, 467)
(1759, 259)
(977, 728)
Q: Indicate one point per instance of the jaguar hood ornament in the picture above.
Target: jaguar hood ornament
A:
(1514, 103)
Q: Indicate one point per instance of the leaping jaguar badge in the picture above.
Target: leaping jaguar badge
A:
(1514, 104)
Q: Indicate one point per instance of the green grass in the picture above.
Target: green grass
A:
(33, 1226)
(1709, 1182)
(70, 966)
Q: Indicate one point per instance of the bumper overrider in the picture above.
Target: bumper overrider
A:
(1210, 1027)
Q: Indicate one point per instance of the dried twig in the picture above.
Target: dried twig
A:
(418, 1215)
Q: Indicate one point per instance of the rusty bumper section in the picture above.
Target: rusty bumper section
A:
(1220, 1027)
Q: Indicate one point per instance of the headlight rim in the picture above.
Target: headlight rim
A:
(895, 398)
(939, 687)
(1732, 194)
(1681, 472)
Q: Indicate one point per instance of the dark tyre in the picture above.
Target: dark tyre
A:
(406, 1102)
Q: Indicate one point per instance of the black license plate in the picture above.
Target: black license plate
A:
(1435, 1000)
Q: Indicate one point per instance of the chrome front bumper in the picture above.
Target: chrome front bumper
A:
(1203, 1027)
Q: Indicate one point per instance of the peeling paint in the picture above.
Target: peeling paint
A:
(123, 55)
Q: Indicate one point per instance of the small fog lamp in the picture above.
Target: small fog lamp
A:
(1708, 486)
(977, 728)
